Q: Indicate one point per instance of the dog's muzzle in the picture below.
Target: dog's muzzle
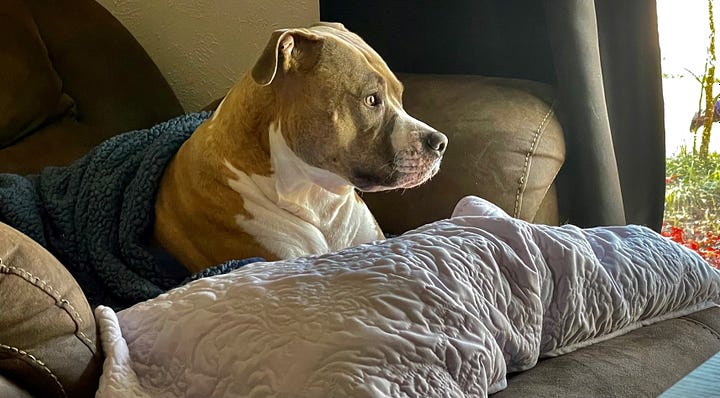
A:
(413, 163)
(419, 163)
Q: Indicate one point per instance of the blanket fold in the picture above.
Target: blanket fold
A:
(96, 214)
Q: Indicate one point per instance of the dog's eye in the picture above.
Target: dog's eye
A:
(372, 100)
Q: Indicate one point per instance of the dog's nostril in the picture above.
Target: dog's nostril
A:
(436, 141)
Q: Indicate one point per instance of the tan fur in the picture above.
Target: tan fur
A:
(194, 200)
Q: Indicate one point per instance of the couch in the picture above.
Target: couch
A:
(63, 90)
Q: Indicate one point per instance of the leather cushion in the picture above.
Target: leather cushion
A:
(642, 363)
(57, 143)
(10, 389)
(505, 145)
(48, 342)
(30, 89)
(113, 82)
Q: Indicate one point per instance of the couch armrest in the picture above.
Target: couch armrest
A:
(48, 339)
(505, 145)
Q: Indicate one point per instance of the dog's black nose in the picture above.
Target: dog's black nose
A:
(436, 142)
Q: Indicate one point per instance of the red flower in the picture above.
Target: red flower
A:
(707, 244)
(675, 233)
(692, 245)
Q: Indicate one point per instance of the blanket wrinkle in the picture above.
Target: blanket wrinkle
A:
(96, 214)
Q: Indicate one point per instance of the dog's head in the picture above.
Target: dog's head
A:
(343, 106)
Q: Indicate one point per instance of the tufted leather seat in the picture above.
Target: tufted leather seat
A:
(48, 342)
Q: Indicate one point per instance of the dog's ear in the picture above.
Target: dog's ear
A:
(334, 25)
(287, 49)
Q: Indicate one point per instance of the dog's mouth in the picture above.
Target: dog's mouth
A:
(409, 169)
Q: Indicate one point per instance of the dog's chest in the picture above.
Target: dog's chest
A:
(298, 209)
(306, 220)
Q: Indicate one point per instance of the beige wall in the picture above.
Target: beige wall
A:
(203, 46)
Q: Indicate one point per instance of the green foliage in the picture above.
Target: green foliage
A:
(708, 103)
(692, 192)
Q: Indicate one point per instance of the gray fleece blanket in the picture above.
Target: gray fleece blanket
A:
(96, 215)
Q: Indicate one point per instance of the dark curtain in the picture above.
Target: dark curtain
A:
(602, 56)
(607, 60)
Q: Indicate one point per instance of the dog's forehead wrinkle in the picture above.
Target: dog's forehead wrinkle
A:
(382, 73)
(364, 70)
(359, 50)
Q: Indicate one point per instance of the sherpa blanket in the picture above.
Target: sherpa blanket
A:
(446, 310)
(96, 215)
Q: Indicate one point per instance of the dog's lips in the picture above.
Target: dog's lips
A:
(367, 182)
(409, 170)
(410, 176)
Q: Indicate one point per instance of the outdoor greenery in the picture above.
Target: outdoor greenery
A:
(692, 203)
(708, 83)
(708, 105)
(692, 192)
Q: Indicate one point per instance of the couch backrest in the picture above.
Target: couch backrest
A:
(71, 76)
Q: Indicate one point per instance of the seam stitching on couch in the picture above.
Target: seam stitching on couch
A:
(702, 325)
(528, 160)
(60, 302)
(39, 363)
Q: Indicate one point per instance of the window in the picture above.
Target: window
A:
(691, 87)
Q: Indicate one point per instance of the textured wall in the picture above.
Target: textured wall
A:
(203, 46)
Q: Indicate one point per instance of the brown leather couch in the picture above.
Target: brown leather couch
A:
(71, 76)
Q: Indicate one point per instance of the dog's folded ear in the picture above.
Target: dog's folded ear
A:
(287, 49)
(334, 25)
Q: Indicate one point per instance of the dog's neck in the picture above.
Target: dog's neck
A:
(293, 175)
(299, 209)
(231, 133)
(310, 193)
(270, 170)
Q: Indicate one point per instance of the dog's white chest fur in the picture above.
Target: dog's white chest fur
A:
(300, 209)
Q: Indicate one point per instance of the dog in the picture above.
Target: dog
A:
(274, 172)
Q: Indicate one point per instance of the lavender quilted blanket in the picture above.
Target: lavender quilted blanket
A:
(446, 310)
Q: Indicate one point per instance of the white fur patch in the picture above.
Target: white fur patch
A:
(300, 209)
